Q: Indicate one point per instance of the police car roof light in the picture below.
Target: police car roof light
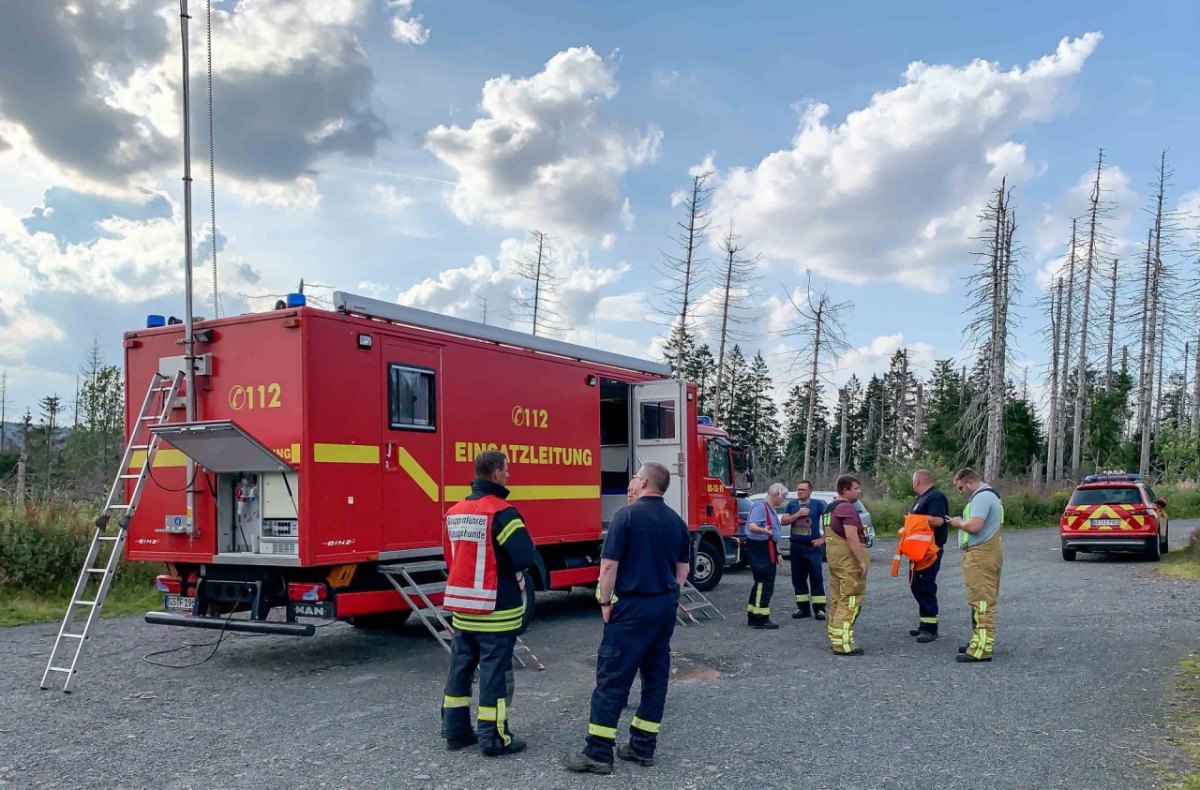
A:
(703, 420)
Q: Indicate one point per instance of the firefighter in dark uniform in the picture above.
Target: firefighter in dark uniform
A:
(762, 548)
(933, 503)
(803, 517)
(488, 551)
(644, 563)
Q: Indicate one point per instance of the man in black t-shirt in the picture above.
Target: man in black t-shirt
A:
(930, 502)
(645, 560)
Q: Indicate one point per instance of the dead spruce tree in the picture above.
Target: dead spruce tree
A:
(818, 325)
(994, 284)
(735, 308)
(1067, 336)
(537, 296)
(685, 270)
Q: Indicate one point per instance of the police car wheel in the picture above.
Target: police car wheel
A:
(706, 573)
(1153, 549)
(1068, 554)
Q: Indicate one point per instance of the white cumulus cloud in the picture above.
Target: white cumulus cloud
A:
(892, 191)
(543, 154)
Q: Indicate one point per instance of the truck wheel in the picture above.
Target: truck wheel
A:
(1068, 554)
(1153, 549)
(387, 621)
(710, 563)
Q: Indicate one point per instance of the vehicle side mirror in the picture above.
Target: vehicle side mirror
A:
(1161, 502)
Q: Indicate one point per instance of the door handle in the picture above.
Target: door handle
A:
(387, 457)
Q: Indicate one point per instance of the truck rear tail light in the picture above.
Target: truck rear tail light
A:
(168, 584)
(307, 591)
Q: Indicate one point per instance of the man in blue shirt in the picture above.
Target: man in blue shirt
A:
(932, 503)
(803, 517)
(983, 559)
(762, 546)
(646, 559)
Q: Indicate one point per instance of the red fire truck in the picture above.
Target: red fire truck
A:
(330, 442)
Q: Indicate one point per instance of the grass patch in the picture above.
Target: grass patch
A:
(1182, 564)
(1185, 715)
(22, 607)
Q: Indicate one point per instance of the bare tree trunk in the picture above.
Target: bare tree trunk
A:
(1148, 354)
(1112, 328)
(21, 461)
(919, 419)
(898, 445)
(1196, 392)
(843, 439)
(1081, 371)
(732, 250)
(812, 387)
(1055, 341)
(1068, 334)
(1162, 345)
(3, 410)
(1183, 393)
(997, 362)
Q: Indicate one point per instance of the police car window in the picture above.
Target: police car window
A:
(411, 398)
(1106, 496)
(658, 420)
(718, 463)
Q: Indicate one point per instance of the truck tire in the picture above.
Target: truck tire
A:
(1068, 554)
(387, 621)
(710, 565)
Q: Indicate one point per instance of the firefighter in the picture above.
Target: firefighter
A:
(846, 550)
(644, 563)
(803, 516)
(762, 545)
(983, 558)
(932, 503)
(488, 550)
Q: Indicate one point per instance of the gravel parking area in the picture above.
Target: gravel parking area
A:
(1075, 697)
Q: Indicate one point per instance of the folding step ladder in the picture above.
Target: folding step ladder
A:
(693, 602)
(434, 618)
(104, 554)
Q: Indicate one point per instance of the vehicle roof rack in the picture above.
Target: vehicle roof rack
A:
(390, 311)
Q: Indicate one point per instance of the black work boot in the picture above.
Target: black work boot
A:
(582, 764)
(625, 752)
(514, 745)
(458, 742)
(819, 611)
(802, 610)
(928, 632)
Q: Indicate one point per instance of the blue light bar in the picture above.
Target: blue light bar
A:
(703, 420)
(155, 320)
(296, 300)
(1112, 477)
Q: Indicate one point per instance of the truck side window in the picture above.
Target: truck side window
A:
(658, 420)
(718, 463)
(411, 398)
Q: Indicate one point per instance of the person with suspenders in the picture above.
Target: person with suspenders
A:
(845, 545)
(983, 559)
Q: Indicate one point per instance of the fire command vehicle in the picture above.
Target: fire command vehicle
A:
(330, 443)
(1114, 512)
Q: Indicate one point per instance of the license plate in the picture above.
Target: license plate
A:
(179, 603)
(322, 609)
(1106, 522)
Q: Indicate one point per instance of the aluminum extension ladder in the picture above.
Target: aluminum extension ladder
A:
(693, 602)
(434, 618)
(104, 554)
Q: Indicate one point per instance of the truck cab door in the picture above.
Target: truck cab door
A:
(657, 425)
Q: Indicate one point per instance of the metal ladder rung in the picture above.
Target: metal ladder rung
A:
(74, 636)
(139, 447)
(118, 507)
(416, 567)
(61, 669)
(108, 538)
(84, 603)
(97, 570)
(128, 477)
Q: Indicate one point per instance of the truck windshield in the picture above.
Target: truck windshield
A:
(1124, 495)
(718, 463)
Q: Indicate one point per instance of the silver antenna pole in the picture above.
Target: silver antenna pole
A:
(189, 349)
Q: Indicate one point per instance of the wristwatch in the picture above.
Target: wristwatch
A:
(606, 603)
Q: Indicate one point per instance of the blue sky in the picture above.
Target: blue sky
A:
(405, 150)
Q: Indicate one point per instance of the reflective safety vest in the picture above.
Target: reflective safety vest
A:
(964, 536)
(470, 555)
(916, 543)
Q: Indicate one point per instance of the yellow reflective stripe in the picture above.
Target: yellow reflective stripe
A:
(456, 702)
(982, 607)
(602, 732)
(646, 726)
(507, 532)
(501, 717)
(487, 713)
(758, 591)
(345, 453)
(818, 599)
(491, 617)
(928, 619)
(853, 600)
(758, 609)
(417, 473)
(531, 493)
(803, 598)
(487, 628)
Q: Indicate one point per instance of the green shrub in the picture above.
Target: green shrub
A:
(42, 547)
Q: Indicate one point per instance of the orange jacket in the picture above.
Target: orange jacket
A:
(916, 543)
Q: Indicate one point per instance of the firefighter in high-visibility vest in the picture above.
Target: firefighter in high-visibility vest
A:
(846, 552)
(983, 559)
(487, 550)
(930, 502)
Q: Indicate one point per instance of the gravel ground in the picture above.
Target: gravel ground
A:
(1074, 699)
